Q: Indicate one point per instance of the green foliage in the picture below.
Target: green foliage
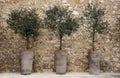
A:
(25, 22)
(59, 20)
(94, 14)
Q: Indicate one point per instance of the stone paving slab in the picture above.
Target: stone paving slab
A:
(53, 75)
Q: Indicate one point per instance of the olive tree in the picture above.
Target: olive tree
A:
(61, 22)
(25, 22)
(94, 15)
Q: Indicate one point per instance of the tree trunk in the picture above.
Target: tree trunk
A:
(60, 42)
(27, 43)
(93, 39)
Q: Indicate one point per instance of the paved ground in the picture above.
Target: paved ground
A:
(53, 75)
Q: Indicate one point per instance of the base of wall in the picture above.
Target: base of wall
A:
(53, 75)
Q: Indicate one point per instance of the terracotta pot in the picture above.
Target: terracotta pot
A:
(94, 63)
(60, 62)
(26, 62)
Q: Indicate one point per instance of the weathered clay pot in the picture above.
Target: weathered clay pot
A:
(94, 63)
(60, 62)
(26, 62)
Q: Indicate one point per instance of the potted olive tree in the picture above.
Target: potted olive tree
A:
(94, 15)
(26, 23)
(60, 21)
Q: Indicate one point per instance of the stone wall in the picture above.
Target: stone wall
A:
(78, 44)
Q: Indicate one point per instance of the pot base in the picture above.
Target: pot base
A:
(94, 63)
(61, 62)
(26, 62)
